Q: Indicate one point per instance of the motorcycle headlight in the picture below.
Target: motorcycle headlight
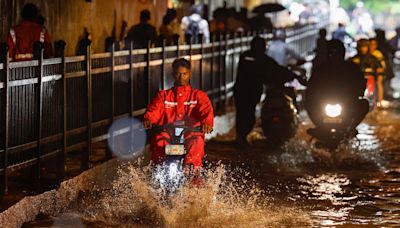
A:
(333, 110)
(172, 170)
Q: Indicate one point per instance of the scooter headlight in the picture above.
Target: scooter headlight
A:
(172, 170)
(333, 110)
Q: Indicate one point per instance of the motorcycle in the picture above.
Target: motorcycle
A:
(334, 121)
(279, 117)
(370, 91)
(171, 174)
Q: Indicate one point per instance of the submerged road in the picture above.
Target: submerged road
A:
(297, 185)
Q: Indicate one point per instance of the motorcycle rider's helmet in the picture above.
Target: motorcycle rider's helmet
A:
(362, 42)
(336, 50)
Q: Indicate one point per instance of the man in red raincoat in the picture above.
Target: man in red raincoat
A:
(181, 102)
(21, 38)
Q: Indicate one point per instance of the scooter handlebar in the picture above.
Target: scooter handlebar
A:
(169, 127)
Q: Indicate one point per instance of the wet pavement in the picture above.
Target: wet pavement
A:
(296, 185)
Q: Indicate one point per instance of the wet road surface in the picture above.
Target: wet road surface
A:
(298, 185)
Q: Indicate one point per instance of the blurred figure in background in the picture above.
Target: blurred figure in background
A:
(171, 28)
(341, 34)
(395, 41)
(194, 25)
(380, 73)
(218, 23)
(281, 52)
(321, 50)
(29, 31)
(140, 34)
(388, 52)
(369, 65)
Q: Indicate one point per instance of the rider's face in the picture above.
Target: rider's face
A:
(363, 49)
(182, 76)
(373, 45)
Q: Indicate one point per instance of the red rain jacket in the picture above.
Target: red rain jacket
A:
(180, 103)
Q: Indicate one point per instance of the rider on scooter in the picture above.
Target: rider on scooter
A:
(181, 102)
(336, 79)
(369, 65)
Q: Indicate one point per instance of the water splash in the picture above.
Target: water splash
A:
(223, 201)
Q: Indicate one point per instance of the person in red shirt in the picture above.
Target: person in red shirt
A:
(181, 102)
(22, 37)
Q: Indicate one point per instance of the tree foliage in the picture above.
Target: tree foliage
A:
(375, 6)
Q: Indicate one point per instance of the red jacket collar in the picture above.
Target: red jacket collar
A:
(186, 88)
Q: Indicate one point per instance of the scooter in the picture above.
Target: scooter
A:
(334, 122)
(171, 175)
(370, 91)
(279, 117)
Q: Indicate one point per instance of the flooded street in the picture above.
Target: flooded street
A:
(298, 185)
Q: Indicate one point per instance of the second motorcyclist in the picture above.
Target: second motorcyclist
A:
(341, 81)
(255, 70)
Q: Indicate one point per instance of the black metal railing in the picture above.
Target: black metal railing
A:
(50, 107)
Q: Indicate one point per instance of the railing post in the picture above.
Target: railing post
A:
(85, 164)
(112, 87)
(60, 52)
(163, 65)
(233, 59)
(148, 75)
(5, 110)
(132, 107)
(201, 64)
(220, 78)
(212, 96)
(226, 57)
(39, 118)
(112, 81)
(190, 49)
(177, 47)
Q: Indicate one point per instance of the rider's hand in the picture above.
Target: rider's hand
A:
(302, 79)
(206, 128)
(147, 124)
(301, 62)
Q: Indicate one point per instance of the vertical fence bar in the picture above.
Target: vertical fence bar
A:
(85, 164)
(132, 99)
(39, 110)
(226, 57)
(163, 65)
(233, 60)
(190, 49)
(212, 96)
(112, 87)
(61, 47)
(132, 94)
(148, 75)
(177, 47)
(112, 81)
(5, 110)
(201, 65)
(219, 72)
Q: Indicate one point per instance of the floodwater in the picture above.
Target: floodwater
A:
(297, 185)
